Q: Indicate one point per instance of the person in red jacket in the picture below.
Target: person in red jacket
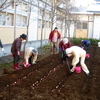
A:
(53, 38)
(63, 45)
(15, 49)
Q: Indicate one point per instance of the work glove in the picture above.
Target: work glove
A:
(82, 47)
(2, 49)
(33, 62)
(72, 69)
(18, 52)
(12, 55)
(87, 55)
(60, 49)
(27, 65)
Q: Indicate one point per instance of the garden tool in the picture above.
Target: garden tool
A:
(68, 65)
(21, 61)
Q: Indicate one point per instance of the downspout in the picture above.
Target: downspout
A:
(93, 25)
(15, 19)
(88, 26)
(38, 21)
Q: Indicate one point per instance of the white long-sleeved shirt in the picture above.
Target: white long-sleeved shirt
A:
(28, 54)
(77, 52)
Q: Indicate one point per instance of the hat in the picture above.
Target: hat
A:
(34, 51)
(24, 36)
(82, 41)
(56, 28)
(68, 50)
(65, 40)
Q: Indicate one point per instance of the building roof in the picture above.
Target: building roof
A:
(94, 8)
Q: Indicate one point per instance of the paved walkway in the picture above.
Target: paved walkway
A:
(6, 59)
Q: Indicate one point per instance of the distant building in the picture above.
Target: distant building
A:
(88, 25)
(96, 0)
(8, 15)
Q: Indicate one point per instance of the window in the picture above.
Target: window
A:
(81, 25)
(21, 21)
(2, 19)
(9, 20)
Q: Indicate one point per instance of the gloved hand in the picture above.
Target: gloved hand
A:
(72, 69)
(33, 62)
(18, 52)
(27, 65)
(60, 49)
(87, 55)
(24, 63)
(82, 47)
(12, 55)
(2, 49)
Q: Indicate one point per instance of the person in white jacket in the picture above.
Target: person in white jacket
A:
(30, 56)
(78, 53)
(1, 45)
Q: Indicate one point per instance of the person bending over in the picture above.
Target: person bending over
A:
(30, 56)
(78, 53)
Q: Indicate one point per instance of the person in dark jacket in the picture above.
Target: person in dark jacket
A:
(15, 49)
(1, 45)
(54, 37)
(63, 45)
(86, 44)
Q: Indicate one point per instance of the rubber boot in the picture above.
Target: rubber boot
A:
(16, 66)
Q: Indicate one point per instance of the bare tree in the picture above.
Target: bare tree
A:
(69, 16)
(28, 22)
(5, 4)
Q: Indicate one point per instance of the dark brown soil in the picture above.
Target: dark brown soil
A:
(49, 79)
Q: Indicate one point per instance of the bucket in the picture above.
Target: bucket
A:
(78, 69)
(87, 56)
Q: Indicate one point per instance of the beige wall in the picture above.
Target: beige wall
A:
(7, 34)
(81, 33)
(46, 33)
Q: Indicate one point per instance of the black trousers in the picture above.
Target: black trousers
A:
(16, 59)
(63, 55)
(30, 59)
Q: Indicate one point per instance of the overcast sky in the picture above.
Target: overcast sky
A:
(83, 2)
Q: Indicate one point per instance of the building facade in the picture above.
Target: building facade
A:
(17, 19)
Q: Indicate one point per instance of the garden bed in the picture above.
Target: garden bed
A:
(49, 79)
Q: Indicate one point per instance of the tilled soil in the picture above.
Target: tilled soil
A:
(49, 79)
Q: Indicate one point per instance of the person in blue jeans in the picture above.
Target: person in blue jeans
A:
(63, 45)
(86, 44)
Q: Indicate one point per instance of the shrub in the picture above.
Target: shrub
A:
(47, 46)
(78, 40)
